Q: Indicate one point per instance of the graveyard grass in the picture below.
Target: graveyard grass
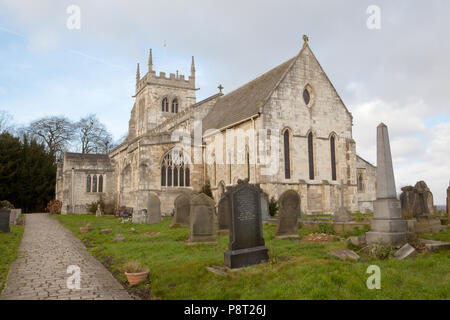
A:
(295, 271)
(9, 247)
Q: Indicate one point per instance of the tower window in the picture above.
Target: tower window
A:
(165, 105)
(175, 106)
(306, 96)
(360, 183)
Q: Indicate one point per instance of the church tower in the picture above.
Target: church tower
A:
(159, 97)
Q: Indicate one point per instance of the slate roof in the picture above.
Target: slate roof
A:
(245, 101)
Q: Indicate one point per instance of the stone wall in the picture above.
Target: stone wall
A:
(366, 176)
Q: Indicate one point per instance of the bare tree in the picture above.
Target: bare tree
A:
(5, 121)
(56, 132)
(93, 135)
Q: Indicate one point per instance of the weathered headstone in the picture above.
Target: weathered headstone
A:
(153, 209)
(289, 203)
(345, 254)
(341, 214)
(224, 211)
(140, 216)
(407, 251)
(264, 207)
(14, 216)
(4, 220)
(416, 201)
(387, 225)
(448, 204)
(118, 236)
(182, 210)
(98, 213)
(246, 246)
(202, 219)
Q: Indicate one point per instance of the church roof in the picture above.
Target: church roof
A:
(245, 101)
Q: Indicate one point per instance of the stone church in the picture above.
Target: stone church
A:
(286, 129)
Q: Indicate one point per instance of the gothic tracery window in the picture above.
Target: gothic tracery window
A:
(175, 172)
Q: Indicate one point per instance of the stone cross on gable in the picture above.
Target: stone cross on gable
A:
(220, 87)
(305, 38)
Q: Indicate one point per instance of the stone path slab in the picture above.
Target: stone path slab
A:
(40, 271)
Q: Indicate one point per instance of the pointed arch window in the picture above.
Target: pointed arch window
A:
(175, 105)
(175, 171)
(94, 183)
(287, 161)
(100, 183)
(88, 183)
(311, 156)
(333, 157)
(165, 105)
(360, 183)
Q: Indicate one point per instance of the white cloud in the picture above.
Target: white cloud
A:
(419, 152)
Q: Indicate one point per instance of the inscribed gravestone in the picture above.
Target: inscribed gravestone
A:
(202, 219)
(4, 220)
(289, 203)
(153, 209)
(246, 246)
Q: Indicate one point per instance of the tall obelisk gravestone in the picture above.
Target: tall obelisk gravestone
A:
(388, 225)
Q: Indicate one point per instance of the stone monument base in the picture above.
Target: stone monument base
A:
(428, 224)
(202, 239)
(393, 238)
(222, 232)
(246, 257)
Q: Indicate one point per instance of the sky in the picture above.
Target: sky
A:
(396, 73)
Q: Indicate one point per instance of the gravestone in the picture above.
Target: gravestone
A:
(182, 210)
(118, 236)
(14, 216)
(224, 211)
(448, 204)
(342, 214)
(140, 216)
(202, 219)
(98, 213)
(289, 203)
(246, 246)
(4, 220)
(387, 225)
(153, 209)
(264, 207)
(416, 201)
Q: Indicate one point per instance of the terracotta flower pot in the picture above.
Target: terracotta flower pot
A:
(135, 278)
(84, 229)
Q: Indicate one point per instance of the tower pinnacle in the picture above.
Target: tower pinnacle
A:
(150, 61)
(193, 68)
(138, 74)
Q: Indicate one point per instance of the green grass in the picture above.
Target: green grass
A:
(296, 270)
(9, 246)
(443, 235)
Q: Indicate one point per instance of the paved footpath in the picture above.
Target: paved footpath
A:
(40, 271)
